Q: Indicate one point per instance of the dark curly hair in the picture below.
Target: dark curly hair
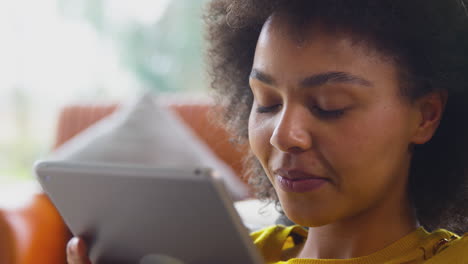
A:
(428, 39)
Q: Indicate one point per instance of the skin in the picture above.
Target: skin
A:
(355, 132)
(77, 252)
(361, 145)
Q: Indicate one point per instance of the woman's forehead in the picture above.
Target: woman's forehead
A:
(281, 39)
(287, 61)
(303, 32)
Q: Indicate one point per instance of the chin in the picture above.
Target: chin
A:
(309, 217)
(309, 221)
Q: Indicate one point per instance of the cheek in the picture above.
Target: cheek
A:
(259, 138)
(369, 145)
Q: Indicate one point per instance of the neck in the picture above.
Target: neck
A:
(361, 235)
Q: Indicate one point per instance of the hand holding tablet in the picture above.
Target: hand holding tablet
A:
(77, 252)
(129, 214)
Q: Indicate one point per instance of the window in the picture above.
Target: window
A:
(55, 52)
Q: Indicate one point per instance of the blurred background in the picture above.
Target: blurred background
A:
(56, 52)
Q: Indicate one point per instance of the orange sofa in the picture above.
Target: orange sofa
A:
(31, 230)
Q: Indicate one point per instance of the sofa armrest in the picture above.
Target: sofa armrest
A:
(6, 240)
(34, 231)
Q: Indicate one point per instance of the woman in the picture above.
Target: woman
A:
(355, 114)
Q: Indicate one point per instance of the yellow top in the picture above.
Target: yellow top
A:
(438, 247)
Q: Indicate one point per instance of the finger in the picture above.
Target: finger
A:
(77, 252)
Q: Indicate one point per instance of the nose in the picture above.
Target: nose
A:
(292, 131)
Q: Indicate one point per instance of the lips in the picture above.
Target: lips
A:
(296, 174)
(298, 181)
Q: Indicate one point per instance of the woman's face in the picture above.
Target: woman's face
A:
(328, 124)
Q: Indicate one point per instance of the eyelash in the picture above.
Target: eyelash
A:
(267, 109)
(329, 114)
(325, 114)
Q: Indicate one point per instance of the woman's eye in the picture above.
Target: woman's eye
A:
(329, 114)
(267, 109)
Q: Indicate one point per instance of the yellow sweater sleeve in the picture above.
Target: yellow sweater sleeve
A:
(428, 248)
(455, 253)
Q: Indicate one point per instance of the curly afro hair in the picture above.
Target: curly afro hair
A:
(428, 39)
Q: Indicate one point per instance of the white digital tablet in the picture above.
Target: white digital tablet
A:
(147, 215)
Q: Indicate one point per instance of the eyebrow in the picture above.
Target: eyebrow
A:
(316, 79)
